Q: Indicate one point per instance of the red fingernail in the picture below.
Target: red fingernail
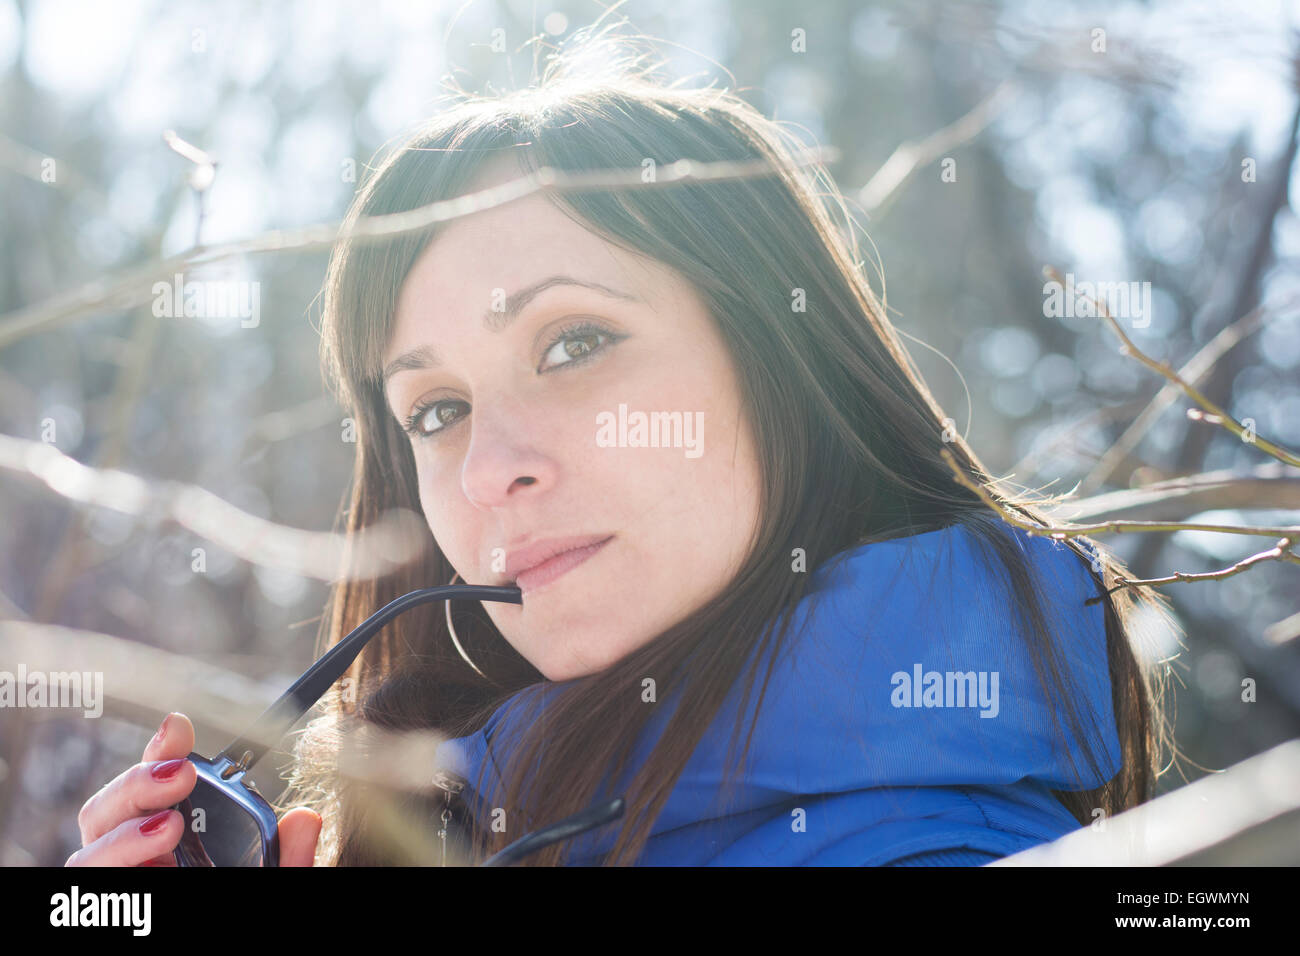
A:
(155, 823)
(162, 730)
(164, 771)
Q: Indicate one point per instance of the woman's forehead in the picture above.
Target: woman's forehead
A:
(488, 257)
(481, 276)
(528, 236)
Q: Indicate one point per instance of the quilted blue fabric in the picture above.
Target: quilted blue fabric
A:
(904, 723)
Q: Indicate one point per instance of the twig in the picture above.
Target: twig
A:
(1062, 531)
(28, 162)
(140, 678)
(1275, 553)
(68, 558)
(135, 287)
(1097, 416)
(1221, 417)
(200, 178)
(1287, 629)
(286, 422)
(1270, 485)
(911, 156)
(1193, 371)
(1246, 814)
(10, 609)
(390, 543)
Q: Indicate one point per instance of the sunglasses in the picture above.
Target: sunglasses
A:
(228, 823)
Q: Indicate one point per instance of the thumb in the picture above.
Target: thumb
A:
(299, 831)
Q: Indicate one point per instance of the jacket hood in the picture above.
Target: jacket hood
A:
(904, 712)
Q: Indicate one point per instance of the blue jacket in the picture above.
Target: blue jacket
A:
(906, 725)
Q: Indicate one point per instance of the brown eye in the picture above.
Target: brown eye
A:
(442, 414)
(581, 346)
(574, 345)
(431, 419)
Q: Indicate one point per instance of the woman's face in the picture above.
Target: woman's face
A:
(525, 352)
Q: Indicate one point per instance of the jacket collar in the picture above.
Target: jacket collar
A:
(875, 689)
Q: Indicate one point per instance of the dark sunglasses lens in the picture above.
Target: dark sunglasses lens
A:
(219, 831)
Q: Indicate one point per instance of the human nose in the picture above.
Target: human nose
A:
(503, 459)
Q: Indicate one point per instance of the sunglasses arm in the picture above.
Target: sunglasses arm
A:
(333, 664)
(566, 829)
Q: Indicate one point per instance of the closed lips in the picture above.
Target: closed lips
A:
(525, 559)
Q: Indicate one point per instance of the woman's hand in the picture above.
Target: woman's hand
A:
(129, 821)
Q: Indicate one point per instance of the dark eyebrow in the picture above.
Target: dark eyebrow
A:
(425, 356)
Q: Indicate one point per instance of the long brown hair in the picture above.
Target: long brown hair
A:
(848, 437)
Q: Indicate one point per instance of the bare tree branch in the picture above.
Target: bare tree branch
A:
(135, 287)
(1062, 531)
(1248, 814)
(139, 680)
(1106, 413)
(1287, 629)
(1272, 485)
(1220, 417)
(326, 556)
(1193, 371)
(1278, 552)
(911, 156)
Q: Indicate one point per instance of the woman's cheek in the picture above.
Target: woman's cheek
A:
(440, 516)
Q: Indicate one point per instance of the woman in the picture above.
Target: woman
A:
(771, 619)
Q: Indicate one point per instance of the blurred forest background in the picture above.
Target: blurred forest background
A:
(1138, 142)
